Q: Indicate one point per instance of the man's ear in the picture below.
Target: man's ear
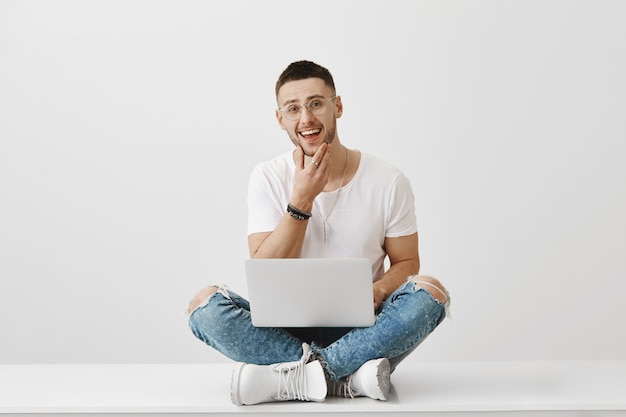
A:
(279, 118)
(338, 107)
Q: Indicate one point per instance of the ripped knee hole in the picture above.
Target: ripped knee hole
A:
(433, 286)
(201, 298)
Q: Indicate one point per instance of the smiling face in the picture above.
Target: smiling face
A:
(309, 131)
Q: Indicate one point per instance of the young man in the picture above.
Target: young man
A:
(318, 200)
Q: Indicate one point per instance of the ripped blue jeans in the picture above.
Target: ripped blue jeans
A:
(407, 316)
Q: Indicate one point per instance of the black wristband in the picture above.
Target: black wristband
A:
(298, 214)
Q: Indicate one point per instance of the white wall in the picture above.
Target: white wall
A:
(128, 130)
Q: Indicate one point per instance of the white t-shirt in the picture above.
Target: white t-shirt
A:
(377, 203)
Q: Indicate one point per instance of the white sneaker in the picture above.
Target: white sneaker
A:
(372, 379)
(298, 380)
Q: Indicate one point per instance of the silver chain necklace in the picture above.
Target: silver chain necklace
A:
(343, 177)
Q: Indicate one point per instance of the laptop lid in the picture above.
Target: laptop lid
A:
(310, 292)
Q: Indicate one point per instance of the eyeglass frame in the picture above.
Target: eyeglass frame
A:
(301, 106)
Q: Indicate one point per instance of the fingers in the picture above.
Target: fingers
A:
(380, 295)
(311, 174)
(299, 157)
(321, 159)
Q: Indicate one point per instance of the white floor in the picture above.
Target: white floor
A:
(443, 389)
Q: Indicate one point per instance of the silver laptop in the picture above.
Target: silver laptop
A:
(310, 292)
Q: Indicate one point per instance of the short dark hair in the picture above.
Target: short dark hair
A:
(301, 70)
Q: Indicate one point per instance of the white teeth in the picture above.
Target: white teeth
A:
(310, 132)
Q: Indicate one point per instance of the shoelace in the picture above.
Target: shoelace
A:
(292, 381)
(343, 389)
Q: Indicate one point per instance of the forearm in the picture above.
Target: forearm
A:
(284, 242)
(404, 262)
(397, 274)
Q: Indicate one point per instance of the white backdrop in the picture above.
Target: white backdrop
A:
(128, 130)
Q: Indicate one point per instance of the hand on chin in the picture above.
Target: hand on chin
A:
(311, 147)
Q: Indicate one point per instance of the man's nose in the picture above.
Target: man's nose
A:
(305, 114)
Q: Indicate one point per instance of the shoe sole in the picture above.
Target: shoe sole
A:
(383, 377)
(234, 384)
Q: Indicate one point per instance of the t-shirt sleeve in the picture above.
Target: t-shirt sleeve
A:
(402, 220)
(265, 210)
